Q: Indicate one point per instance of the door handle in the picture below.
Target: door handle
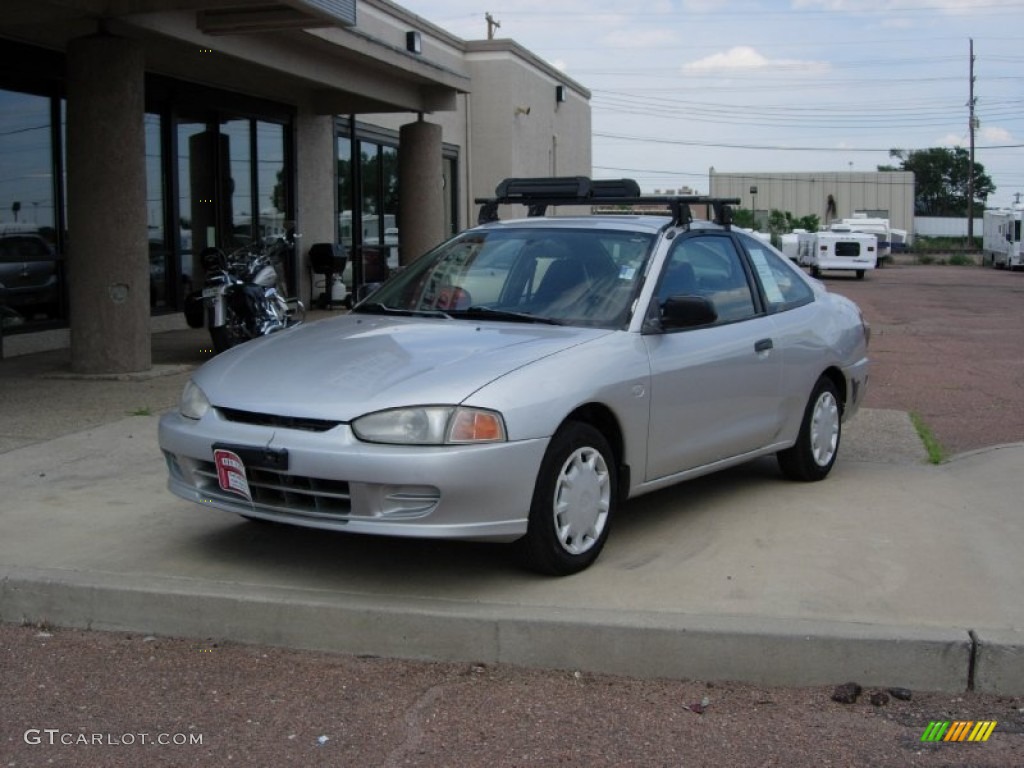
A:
(763, 345)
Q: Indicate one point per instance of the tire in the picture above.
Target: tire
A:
(860, 274)
(812, 456)
(574, 501)
(815, 271)
(224, 338)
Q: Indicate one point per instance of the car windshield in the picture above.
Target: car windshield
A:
(545, 275)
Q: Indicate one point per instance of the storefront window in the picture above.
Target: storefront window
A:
(272, 183)
(30, 267)
(345, 191)
(450, 196)
(159, 272)
(237, 190)
(375, 266)
(196, 228)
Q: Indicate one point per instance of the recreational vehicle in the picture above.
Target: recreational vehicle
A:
(1001, 240)
(856, 251)
(889, 239)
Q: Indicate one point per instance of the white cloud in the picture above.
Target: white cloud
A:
(995, 135)
(745, 58)
(985, 135)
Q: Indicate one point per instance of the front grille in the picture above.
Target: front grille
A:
(273, 420)
(282, 493)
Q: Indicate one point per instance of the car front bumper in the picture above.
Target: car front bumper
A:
(335, 482)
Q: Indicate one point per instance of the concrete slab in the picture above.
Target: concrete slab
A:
(877, 574)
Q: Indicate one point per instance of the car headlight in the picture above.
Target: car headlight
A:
(431, 425)
(194, 403)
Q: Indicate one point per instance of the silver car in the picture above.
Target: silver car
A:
(525, 378)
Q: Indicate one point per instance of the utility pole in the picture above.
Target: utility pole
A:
(972, 124)
(491, 25)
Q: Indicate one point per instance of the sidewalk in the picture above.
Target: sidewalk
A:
(891, 572)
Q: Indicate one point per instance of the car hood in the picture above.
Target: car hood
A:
(348, 366)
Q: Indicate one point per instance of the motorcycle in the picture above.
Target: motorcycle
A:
(243, 296)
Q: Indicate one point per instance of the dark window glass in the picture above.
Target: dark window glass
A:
(711, 267)
(237, 191)
(29, 268)
(273, 182)
(159, 268)
(345, 193)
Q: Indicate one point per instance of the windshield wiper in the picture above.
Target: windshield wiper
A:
(504, 314)
(376, 308)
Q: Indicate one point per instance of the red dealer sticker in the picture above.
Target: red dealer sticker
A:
(231, 473)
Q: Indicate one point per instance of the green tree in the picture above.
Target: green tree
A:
(810, 223)
(743, 217)
(779, 221)
(941, 179)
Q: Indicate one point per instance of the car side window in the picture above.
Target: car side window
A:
(710, 267)
(783, 287)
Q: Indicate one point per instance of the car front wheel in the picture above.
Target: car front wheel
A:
(812, 456)
(573, 502)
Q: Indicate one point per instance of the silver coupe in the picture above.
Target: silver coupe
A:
(525, 378)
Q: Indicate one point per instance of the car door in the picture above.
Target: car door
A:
(714, 389)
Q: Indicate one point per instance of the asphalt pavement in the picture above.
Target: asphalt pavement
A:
(891, 572)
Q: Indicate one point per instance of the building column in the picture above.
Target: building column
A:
(108, 247)
(316, 207)
(421, 190)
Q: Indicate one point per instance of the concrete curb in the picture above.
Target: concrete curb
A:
(999, 661)
(758, 650)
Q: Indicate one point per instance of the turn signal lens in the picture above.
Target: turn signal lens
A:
(475, 426)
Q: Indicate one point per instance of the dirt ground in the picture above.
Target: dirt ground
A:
(947, 345)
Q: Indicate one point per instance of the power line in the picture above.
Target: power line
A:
(778, 148)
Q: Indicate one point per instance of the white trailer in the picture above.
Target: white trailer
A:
(889, 239)
(856, 251)
(1001, 238)
(798, 244)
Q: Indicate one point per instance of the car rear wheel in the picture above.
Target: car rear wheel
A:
(812, 456)
(573, 502)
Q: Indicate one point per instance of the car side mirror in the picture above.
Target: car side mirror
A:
(687, 312)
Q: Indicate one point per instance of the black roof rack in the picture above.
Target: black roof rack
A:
(538, 193)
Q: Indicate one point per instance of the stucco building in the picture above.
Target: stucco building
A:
(133, 133)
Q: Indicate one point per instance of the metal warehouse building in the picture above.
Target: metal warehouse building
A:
(829, 195)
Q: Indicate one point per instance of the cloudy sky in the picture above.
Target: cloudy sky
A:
(775, 85)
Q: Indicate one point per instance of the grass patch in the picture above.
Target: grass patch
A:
(145, 411)
(962, 260)
(936, 453)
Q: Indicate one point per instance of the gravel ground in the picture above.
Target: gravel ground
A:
(221, 705)
(947, 344)
(943, 347)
